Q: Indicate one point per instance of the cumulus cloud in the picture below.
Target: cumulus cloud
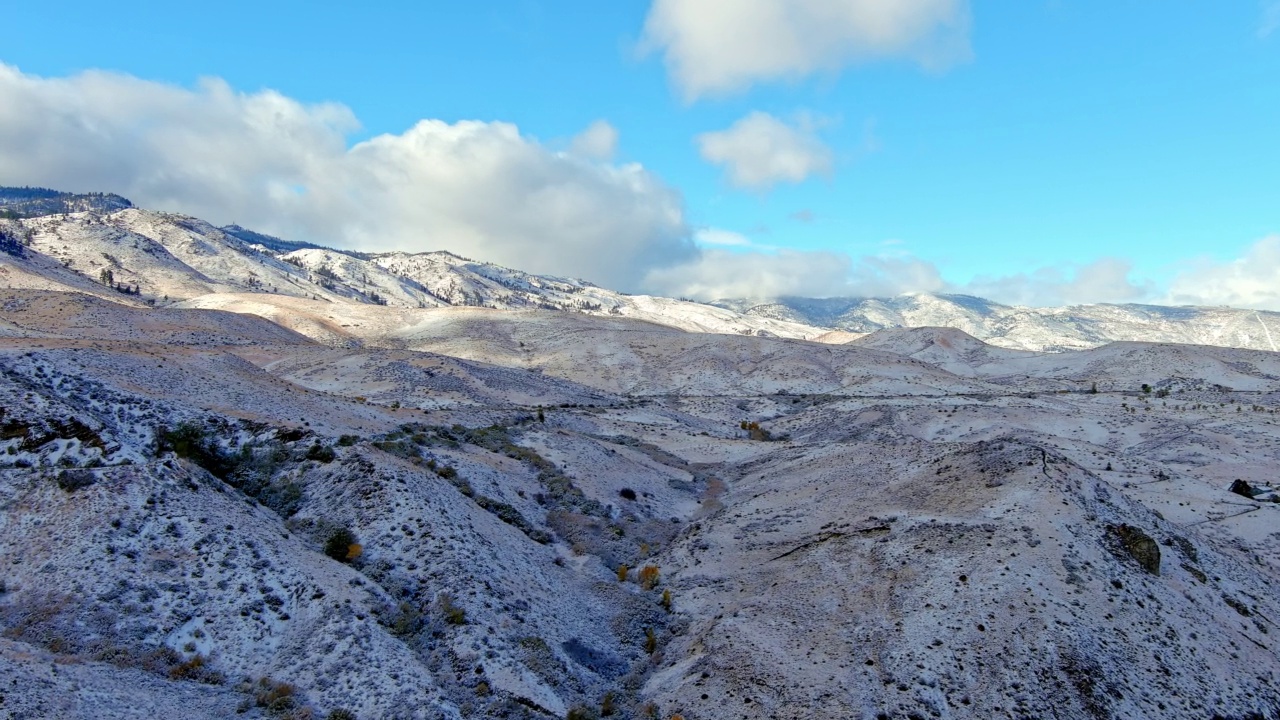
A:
(721, 47)
(1105, 280)
(760, 151)
(719, 273)
(1250, 281)
(598, 142)
(268, 162)
(484, 190)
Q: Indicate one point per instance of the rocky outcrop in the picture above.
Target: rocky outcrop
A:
(1141, 546)
(1240, 487)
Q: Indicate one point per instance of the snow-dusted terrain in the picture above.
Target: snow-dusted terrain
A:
(161, 258)
(1023, 328)
(71, 240)
(286, 499)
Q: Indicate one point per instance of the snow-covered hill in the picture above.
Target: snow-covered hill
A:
(1024, 328)
(554, 513)
(100, 244)
(34, 202)
(143, 257)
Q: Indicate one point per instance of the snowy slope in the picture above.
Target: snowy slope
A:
(1024, 328)
(916, 540)
(164, 258)
(949, 348)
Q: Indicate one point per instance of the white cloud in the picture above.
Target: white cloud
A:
(1270, 21)
(718, 274)
(735, 270)
(598, 142)
(760, 150)
(1105, 280)
(483, 190)
(271, 163)
(1250, 281)
(724, 46)
(722, 238)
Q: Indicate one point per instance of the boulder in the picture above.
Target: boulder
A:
(1240, 487)
(1141, 546)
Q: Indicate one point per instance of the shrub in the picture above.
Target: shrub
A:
(622, 572)
(72, 480)
(190, 441)
(321, 453)
(340, 714)
(506, 513)
(627, 493)
(666, 600)
(406, 620)
(285, 498)
(340, 544)
(249, 470)
(650, 641)
(648, 577)
(277, 697)
(754, 431)
(10, 241)
(451, 612)
(197, 669)
(348, 441)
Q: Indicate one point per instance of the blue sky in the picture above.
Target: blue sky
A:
(996, 148)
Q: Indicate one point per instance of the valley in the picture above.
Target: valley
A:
(289, 500)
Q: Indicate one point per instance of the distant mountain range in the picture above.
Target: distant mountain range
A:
(102, 245)
(1042, 329)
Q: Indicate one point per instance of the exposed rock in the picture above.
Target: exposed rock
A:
(1141, 546)
(1240, 487)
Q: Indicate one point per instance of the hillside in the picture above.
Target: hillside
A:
(102, 245)
(914, 524)
(142, 257)
(34, 202)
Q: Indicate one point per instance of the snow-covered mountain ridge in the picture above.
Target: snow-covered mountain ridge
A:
(144, 257)
(108, 248)
(33, 202)
(1025, 328)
